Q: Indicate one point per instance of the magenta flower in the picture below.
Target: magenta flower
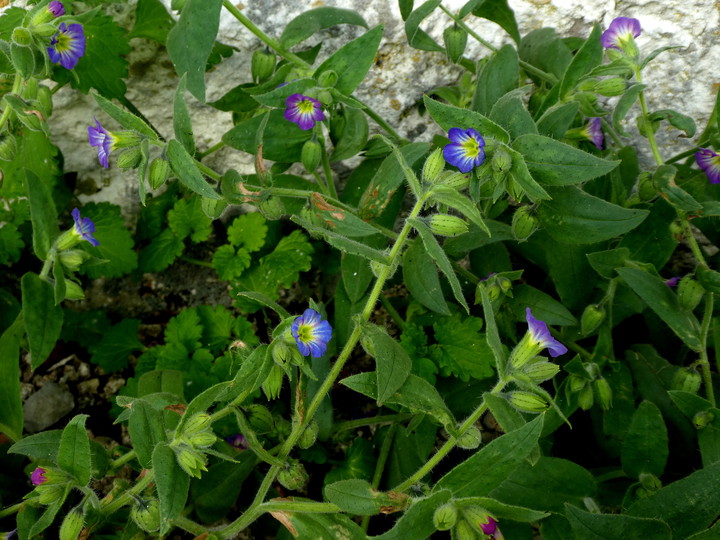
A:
(709, 162)
(56, 8)
(621, 30)
(303, 111)
(68, 45)
(593, 131)
(311, 333)
(84, 227)
(540, 336)
(490, 527)
(465, 150)
(103, 139)
(38, 476)
(672, 282)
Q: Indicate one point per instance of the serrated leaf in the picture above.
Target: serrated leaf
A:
(185, 329)
(249, 231)
(161, 252)
(306, 24)
(461, 348)
(188, 219)
(152, 21)
(116, 242)
(217, 324)
(230, 263)
(113, 351)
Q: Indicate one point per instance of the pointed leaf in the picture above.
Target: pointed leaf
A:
(448, 117)
(393, 364)
(497, 77)
(74, 450)
(43, 319)
(187, 172)
(587, 57)
(589, 526)
(421, 278)
(182, 124)
(416, 36)
(645, 444)
(306, 24)
(172, 485)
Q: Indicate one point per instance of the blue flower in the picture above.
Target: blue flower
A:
(540, 336)
(311, 333)
(621, 31)
(465, 150)
(303, 111)
(593, 131)
(68, 45)
(103, 139)
(709, 162)
(84, 227)
(56, 8)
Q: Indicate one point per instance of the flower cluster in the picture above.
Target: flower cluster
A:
(68, 44)
(466, 149)
(311, 333)
(709, 162)
(303, 111)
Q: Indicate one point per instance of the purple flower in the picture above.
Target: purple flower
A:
(68, 45)
(490, 527)
(8, 535)
(620, 31)
(672, 282)
(709, 162)
(465, 150)
(56, 8)
(311, 333)
(593, 131)
(84, 227)
(540, 335)
(237, 441)
(38, 476)
(303, 111)
(103, 139)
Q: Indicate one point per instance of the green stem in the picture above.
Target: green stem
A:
(704, 361)
(692, 242)
(392, 311)
(189, 525)
(321, 183)
(649, 131)
(326, 168)
(109, 507)
(267, 40)
(211, 150)
(380, 121)
(688, 153)
(207, 171)
(609, 129)
(47, 264)
(380, 466)
(450, 443)
(371, 421)
(527, 67)
(122, 460)
(196, 262)
(11, 509)
(227, 409)
(305, 507)
(17, 84)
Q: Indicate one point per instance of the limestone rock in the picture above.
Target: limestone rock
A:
(46, 406)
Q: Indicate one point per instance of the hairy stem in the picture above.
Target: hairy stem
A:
(704, 360)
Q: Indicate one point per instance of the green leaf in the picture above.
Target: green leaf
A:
(652, 242)
(146, 430)
(48, 516)
(41, 446)
(575, 217)
(187, 172)
(191, 41)
(185, 330)
(503, 511)
(492, 464)
(354, 135)
(605, 262)
(544, 49)
(448, 117)
(355, 496)
(664, 180)
(441, 259)
(282, 140)
(496, 11)
(161, 252)
(689, 505)
(327, 526)
(544, 306)
(230, 263)
(215, 493)
(116, 346)
(555, 163)
(556, 120)
(505, 414)
(340, 221)
(416, 36)
(645, 444)
(217, 324)
(182, 124)
(152, 21)
(188, 219)
(103, 66)
(172, 485)
(660, 298)
(417, 521)
(510, 112)
(43, 319)
(277, 96)
(249, 231)
(623, 106)
(267, 302)
(590, 526)
(306, 24)
(343, 243)
(521, 174)
(461, 348)
(74, 450)
(675, 119)
(43, 213)
(392, 363)
(356, 276)
(421, 278)
(11, 410)
(124, 118)
(352, 61)
(452, 198)
(498, 76)
(586, 58)
(116, 242)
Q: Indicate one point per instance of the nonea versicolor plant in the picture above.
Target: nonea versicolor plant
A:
(505, 329)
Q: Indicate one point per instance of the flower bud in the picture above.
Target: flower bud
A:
(159, 172)
(538, 372)
(328, 79)
(576, 383)
(470, 440)
(615, 86)
(50, 12)
(709, 279)
(587, 85)
(197, 423)
(591, 319)
(21, 36)
(44, 30)
(650, 482)
(690, 292)
(146, 515)
(190, 460)
(8, 147)
(501, 161)
(464, 531)
(703, 419)
(73, 258)
(586, 397)
(603, 392)
(454, 179)
(294, 476)
(273, 383)
(44, 99)
(311, 154)
(445, 517)
(433, 167)
(49, 493)
(646, 187)
(262, 65)
(325, 97)
(281, 353)
(527, 402)
(73, 291)
(309, 435)
(687, 380)
(259, 418)
(272, 209)
(130, 158)
(126, 139)
(73, 524)
(479, 519)
(203, 439)
(455, 39)
(447, 225)
(524, 223)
